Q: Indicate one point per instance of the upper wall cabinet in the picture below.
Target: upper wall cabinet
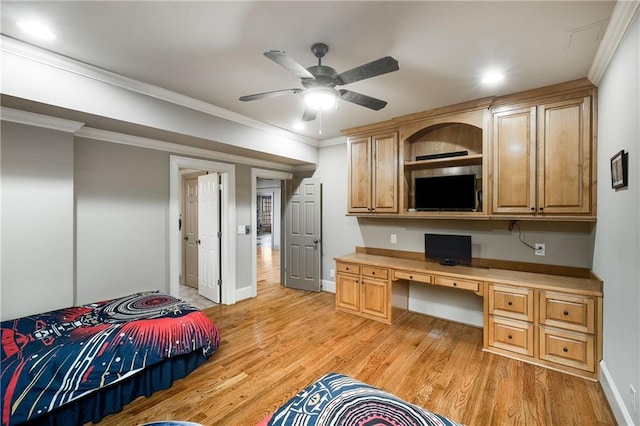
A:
(542, 158)
(529, 155)
(373, 173)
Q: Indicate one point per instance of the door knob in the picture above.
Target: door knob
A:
(316, 241)
(198, 241)
(186, 238)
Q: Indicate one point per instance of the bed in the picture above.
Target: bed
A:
(336, 399)
(76, 365)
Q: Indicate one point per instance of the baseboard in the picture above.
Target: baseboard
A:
(616, 402)
(328, 286)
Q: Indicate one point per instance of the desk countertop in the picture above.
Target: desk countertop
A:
(584, 286)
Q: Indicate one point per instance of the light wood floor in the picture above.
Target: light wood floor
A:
(274, 345)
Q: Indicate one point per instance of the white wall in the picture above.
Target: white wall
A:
(122, 195)
(617, 244)
(37, 220)
(569, 244)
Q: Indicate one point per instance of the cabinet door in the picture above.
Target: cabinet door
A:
(385, 173)
(373, 298)
(359, 158)
(564, 153)
(348, 292)
(514, 161)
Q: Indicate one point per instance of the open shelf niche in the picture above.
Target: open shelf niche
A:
(457, 132)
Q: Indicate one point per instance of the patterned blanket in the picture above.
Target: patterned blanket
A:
(53, 358)
(336, 399)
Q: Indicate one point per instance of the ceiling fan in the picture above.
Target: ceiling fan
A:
(320, 81)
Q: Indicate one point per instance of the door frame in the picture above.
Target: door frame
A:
(265, 174)
(227, 206)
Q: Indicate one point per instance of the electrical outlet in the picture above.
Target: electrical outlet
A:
(634, 405)
(540, 249)
(332, 273)
(394, 238)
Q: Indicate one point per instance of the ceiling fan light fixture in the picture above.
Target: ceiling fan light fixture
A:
(320, 98)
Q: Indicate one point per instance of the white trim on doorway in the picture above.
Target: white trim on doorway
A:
(255, 174)
(228, 206)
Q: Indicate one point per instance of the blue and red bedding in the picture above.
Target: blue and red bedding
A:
(336, 399)
(55, 358)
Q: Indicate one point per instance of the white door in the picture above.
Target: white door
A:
(303, 235)
(209, 236)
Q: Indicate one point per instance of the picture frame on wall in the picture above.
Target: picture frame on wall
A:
(619, 171)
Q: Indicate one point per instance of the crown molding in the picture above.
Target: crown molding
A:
(622, 17)
(39, 120)
(338, 140)
(33, 53)
(174, 148)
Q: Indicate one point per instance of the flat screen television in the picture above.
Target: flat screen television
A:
(454, 193)
(448, 249)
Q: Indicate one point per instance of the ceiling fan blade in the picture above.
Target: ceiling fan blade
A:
(309, 115)
(372, 69)
(270, 94)
(287, 62)
(363, 100)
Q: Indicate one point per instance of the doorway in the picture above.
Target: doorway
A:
(266, 205)
(227, 269)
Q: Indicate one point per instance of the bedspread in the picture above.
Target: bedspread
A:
(53, 358)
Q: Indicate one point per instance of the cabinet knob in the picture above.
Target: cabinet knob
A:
(410, 277)
(565, 350)
(533, 209)
(510, 337)
(373, 273)
(510, 303)
(455, 284)
(565, 313)
(541, 208)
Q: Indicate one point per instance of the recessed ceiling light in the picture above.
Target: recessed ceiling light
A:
(492, 77)
(36, 29)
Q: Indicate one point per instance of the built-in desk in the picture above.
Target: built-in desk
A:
(547, 319)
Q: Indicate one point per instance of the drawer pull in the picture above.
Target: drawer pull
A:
(373, 273)
(455, 284)
(346, 269)
(510, 337)
(510, 303)
(410, 277)
(565, 313)
(565, 350)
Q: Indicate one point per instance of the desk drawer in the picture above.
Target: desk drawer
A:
(513, 336)
(567, 348)
(457, 283)
(572, 312)
(412, 276)
(370, 271)
(348, 268)
(511, 302)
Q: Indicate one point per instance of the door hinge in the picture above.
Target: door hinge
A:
(220, 283)
(219, 234)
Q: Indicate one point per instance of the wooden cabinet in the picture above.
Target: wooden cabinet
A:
(542, 158)
(549, 320)
(555, 329)
(532, 154)
(373, 173)
(367, 291)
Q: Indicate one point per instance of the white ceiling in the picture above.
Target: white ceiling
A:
(212, 51)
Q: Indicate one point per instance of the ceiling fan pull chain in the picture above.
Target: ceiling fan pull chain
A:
(320, 122)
